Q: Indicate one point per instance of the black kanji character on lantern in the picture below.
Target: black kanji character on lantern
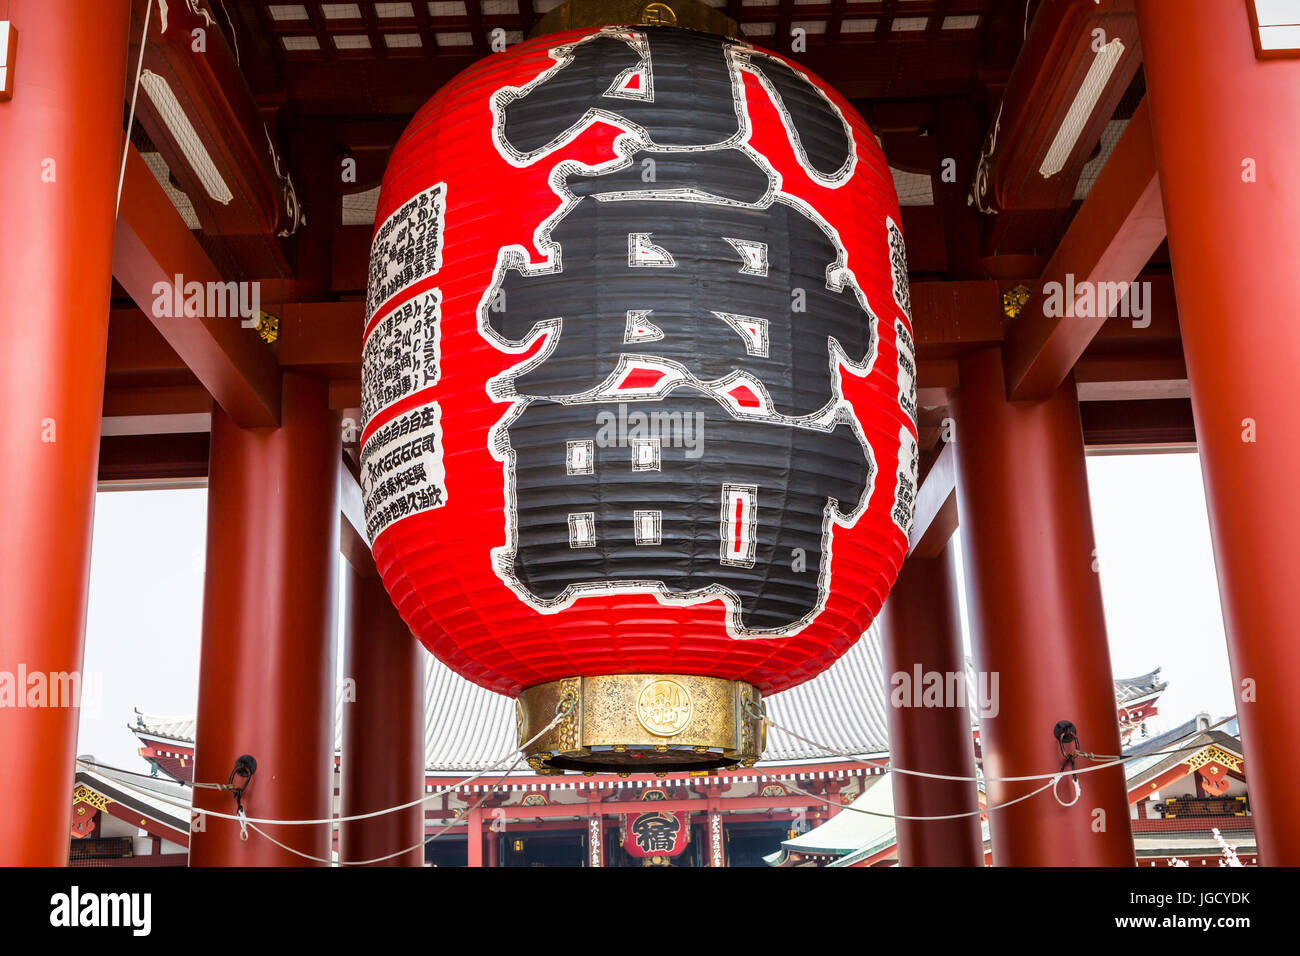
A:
(596, 509)
(714, 289)
(730, 175)
(682, 284)
(647, 77)
(656, 832)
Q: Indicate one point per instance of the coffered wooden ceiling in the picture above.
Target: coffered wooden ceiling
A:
(385, 58)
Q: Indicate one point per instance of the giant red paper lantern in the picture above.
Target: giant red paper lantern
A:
(638, 386)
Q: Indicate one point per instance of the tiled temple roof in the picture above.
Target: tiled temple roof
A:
(1129, 689)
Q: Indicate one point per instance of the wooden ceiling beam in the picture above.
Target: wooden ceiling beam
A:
(135, 345)
(151, 247)
(949, 320)
(477, 28)
(1115, 426)
(355, 87)
(353, 543)
(154, 457)
(1138, 424)
(835, 21)
(156, 410)
(782, 41)
(318, 26)
(1131, 378)
(184, 457)
(1049, 74)
(241, 193)
(1110, 240)
(936, 507)
(424, 27)
(371, 20)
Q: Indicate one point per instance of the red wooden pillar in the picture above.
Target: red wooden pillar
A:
(475, 837)
(60, 146)
(834, 807)
(1227, 140)
(266, 668)
(383, 728)
(1036, 617)
(922, 636)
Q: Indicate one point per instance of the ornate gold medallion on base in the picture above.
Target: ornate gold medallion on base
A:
(641, 722)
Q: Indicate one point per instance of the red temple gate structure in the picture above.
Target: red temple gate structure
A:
(1046, 154)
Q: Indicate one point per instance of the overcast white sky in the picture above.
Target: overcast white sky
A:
(1153, 542)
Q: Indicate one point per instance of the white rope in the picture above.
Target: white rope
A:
(1116, 762)
(423, 843)
(130, 121)
(900, 816)
(173, 801)
(1053, 779)
(1078, 791)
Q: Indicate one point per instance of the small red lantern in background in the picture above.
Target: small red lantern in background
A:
(655, 836)
(639, 388)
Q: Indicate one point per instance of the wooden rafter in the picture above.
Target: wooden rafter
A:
(152, 245)
(1111, 239)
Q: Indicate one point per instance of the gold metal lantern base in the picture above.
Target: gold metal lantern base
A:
(629, 723)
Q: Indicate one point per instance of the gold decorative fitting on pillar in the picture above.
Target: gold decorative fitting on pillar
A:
(657, 723)
(691, 14)
(268, 327)
(1013, 300)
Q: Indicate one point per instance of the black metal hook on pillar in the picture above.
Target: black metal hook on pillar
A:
(245, 767)
(1067, 735)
